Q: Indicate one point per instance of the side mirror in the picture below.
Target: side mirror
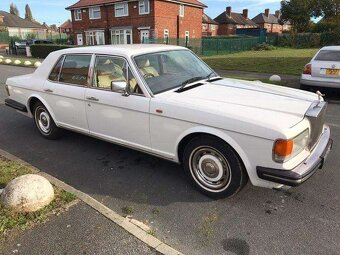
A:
(120, 87)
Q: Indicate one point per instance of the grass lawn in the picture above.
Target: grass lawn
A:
(279, 61)
(12, 220)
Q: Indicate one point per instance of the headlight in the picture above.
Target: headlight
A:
(286, 149)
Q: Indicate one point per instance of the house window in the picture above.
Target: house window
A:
(95, 37)
(121, 36)
(77, 14)
(213, 27)
(166, 36)
(121, 10)
(95, 13)
(144, 7)
(181, 10)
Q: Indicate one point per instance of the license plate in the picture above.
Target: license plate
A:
(332, 72)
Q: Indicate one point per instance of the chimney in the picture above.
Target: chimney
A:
(278, 14)
(228, 10)
(266, 12)
(2, 19)
(245, 13)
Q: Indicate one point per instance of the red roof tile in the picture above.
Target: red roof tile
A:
(86, 3)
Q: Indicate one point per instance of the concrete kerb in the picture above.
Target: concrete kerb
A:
(125, 223)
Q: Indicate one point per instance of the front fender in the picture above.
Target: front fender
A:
(218, 133)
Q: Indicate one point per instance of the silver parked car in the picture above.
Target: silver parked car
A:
(323, 70)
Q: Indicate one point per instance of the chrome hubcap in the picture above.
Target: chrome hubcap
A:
(210, 169)
(43, 120)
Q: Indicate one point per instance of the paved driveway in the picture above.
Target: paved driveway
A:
(303, 220)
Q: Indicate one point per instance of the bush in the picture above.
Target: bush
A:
(43, 50)
(300, 41)
(264, 47)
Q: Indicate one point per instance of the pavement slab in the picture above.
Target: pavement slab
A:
(80, 230)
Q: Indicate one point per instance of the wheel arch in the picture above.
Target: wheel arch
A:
(188, 135)
(36, 98)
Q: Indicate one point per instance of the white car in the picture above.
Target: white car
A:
(323, 70)
(165, 101)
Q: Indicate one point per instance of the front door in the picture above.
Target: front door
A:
(144, 36)
(111, 115)
(80, 39)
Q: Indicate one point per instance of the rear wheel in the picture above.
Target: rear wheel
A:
(45, 123)
(213, 167)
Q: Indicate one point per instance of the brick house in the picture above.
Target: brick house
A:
(66, 27)
(134, 21)
(230, 21)
(209, 26)
(272, 22)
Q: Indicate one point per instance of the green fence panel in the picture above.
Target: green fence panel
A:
(4, 37)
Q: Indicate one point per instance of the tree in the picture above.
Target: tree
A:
(13, 9)
(298, 12)
(327, 9)
(28, 13)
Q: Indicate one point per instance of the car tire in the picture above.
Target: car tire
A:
(45, 123)
(213, 167)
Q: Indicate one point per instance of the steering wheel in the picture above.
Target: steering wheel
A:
(148, 75)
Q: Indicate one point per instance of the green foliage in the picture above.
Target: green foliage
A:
(28, 13)
(298, 12)
(264, 47)
(43, 50)
(13, 9)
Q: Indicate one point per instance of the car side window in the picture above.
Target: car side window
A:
(54, 75)
(75, 69)
(111, 73)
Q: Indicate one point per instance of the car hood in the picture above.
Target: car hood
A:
(244, 105)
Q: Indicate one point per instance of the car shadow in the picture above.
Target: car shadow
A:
(332, 95)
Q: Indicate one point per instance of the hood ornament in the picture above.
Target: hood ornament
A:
(320, 98)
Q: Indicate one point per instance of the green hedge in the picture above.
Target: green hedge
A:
(43, 50)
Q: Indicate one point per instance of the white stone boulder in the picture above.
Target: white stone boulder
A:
(27, 193)
(37, 64)
(275, 78)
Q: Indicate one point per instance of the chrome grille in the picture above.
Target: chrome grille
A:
(316, 116)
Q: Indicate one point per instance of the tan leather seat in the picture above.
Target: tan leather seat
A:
(106, 73)
(146, 68)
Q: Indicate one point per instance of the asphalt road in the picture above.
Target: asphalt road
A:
(302, 220)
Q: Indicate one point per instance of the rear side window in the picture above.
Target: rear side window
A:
(54, 75)
(75, 69)
(328, 55)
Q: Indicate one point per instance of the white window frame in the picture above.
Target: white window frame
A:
(142, 4)
(93, 10)
(121, 34)
(124, 6)
(93, 37)
(181, 10)
(166, 35)
(77, 14)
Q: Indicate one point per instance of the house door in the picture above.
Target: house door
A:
(79, 39)
(144, 36)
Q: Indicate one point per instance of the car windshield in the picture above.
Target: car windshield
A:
(167, 70)
(328, 55)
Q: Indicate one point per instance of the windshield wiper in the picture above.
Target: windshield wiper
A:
(210, 77)
(191, 80)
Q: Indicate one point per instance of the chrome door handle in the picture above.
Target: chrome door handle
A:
(48, 90)
(92, 99)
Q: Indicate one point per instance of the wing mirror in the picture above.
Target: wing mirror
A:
(120, 87)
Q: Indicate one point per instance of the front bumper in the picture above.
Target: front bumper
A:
(305, 170)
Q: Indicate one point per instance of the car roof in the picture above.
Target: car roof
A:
(336, 48)
(127, 50)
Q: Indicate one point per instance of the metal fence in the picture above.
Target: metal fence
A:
(208, 46)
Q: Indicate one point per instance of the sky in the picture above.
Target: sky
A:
(53, 11)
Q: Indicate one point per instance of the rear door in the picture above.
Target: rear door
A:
(65, 91)
(327, 64)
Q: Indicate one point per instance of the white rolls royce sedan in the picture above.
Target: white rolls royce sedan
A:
(323, 70)
(165, 101)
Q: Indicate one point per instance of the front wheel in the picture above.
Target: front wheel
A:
(213, 167)
(45, 123)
